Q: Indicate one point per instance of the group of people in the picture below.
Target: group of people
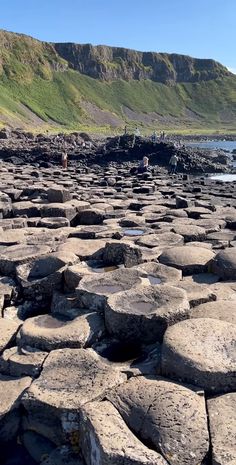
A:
(144, 165)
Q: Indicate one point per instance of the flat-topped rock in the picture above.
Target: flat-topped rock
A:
(170, 417)
(222, 423)
(70, 378)
(143, 314)
(19, 254)
(157, 273)
(16, 362)
(190, 233)
(161, 240)
(118, 253)
(106, 439)
(188, 259)
(220, 310)
(93, 290)
(201, 352)
(84, 249)
(46, 332)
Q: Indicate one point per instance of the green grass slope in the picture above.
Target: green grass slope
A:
(37, 88)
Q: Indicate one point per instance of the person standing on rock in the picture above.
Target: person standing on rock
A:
(64, 160)
(143, 167)
(173, 164)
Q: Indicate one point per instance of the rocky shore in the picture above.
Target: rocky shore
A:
(118, 305)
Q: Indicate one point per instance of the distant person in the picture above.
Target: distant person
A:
(125, 130)
(173, 164)
(137, 132)
(143, 166)
(64, 160)
(154, 137)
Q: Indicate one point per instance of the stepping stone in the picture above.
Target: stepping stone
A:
(157, 273)
(220, 310)
(142, 314)
(160, 240)
(197, 293)
(16, 362)
(188, 259)
(46, 332)
(8, 330)
(11, 390)
(201, 352)
(58, 210)
(222, 422)
(27, 208)
(70, 378)
(93, 291)
(224, 264)
(106, 439)
(74, 274)
(40, 277)
(18, 255)
(190, 233)
(84, 249)
(170, 417)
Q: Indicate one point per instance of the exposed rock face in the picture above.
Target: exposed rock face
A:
(112, 63)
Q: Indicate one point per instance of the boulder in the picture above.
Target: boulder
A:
(222, 423)
(201, 352)
(190, 233)
(170, 417)
(121, 253)
(142, 314)
(224, 264)
(188, 259)
(90, 217)
(70, 378)
(105, 439)
(58, 195)
(58, 210)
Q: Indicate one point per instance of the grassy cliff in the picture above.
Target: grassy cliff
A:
(40, 87)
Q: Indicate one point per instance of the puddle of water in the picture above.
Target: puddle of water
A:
(107, 288)
(121, 352)
(224, 177)
(153, 280)
(47, 321)
(133, 232)
(140, 307)
(105, 269)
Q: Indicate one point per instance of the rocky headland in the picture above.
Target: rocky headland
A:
(118, 304)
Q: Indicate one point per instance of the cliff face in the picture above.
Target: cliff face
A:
(111, 63)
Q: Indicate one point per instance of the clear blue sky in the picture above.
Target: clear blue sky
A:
(201, 28)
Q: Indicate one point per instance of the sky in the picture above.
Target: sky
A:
(200, 28)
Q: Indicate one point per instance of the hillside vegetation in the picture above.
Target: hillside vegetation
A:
(40, 85)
